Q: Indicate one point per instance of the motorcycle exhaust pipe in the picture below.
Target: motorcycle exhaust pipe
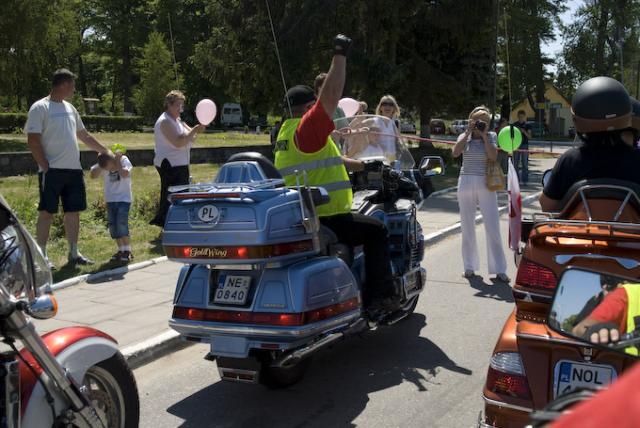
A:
(300, 354)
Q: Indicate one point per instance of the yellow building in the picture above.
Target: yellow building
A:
(557, 111)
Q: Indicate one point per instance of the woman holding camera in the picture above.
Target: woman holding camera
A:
(478, 145)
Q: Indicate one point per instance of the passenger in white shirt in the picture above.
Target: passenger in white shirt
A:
(173, 139)
(116, 173)
(53, 127)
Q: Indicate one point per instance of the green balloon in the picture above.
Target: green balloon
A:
(509, 138)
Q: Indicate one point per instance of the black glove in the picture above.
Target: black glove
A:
(373, 165)
(341, 45)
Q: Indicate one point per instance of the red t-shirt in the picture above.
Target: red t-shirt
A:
(313, 129)
(613, 309)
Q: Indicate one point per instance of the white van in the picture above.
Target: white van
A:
(231, 114)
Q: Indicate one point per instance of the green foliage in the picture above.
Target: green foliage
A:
(12, 121)
(157, 77)
(113, 123)
(592, 43)
(15, 121)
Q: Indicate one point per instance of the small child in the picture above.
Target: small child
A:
(116, 171)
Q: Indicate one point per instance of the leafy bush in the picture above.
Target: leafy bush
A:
(12, 121)
(15, 121)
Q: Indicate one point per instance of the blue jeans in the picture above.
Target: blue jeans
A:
(521, 164)
(118, 219)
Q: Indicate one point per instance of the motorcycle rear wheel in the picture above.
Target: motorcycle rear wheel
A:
(113, 392)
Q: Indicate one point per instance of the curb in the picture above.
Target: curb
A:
(154, 348)
(455, 228)
(106, 273)
(443, 191)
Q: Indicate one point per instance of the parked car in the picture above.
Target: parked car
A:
(458, 126)
(231, 114)
(437, 126)
(407, 126)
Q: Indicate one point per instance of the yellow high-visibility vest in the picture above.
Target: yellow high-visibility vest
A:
(324, 168)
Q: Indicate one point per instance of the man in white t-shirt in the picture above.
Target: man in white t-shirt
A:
(53, 127)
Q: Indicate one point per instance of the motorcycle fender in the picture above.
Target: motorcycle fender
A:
(76, 349)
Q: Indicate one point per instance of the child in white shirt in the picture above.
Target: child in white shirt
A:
(116, 171)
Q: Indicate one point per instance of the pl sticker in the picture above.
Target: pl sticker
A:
(209, 214)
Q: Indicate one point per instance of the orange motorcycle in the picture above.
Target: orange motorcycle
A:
(538, 358)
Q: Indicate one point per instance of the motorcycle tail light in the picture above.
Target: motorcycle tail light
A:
(266, 318)
(533, 275)
(507, 376)
(239, 252)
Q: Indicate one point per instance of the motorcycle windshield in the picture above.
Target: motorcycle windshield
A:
(367, 137)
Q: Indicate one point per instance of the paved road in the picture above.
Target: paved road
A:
(426, 371)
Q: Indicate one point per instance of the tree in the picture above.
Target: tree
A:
(602, 33)
(36, 38)
(156, 77)
(527, 24)
(120, 29)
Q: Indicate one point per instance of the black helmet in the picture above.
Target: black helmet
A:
(635, 114)
(601, 104)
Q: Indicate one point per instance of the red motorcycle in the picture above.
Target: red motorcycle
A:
(71, 377)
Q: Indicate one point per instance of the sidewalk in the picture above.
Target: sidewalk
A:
(135, 306)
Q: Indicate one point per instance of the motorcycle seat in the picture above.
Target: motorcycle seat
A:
(267, 166)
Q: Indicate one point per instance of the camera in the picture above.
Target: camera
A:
(481, 125)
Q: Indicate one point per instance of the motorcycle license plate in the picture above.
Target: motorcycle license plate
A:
(571, 375)
(232, 289)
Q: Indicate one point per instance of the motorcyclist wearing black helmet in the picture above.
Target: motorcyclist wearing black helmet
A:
(602, 113)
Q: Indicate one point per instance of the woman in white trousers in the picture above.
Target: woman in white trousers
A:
(477, 145)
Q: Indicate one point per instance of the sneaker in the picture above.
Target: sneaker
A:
(502, 277)
(468, 274)
(116, 256)
(126, 256)
(81, 260)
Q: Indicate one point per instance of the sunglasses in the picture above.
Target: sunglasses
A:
(387, 104)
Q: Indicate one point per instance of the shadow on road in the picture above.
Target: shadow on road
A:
(493, 289)
(336, 388)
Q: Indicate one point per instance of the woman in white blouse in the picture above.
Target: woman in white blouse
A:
(477, 145)
(173, 139)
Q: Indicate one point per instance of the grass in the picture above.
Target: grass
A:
(144, 140)
(22, 194)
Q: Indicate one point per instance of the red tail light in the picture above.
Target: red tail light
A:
(266, 318)
(239, 252)
(506, 376)
(536, 276)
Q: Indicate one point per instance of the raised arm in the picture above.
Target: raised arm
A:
(333, 86)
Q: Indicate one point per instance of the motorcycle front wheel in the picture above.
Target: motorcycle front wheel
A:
(113, 392)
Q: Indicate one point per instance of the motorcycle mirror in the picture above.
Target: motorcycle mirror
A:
(545, 177)
(431, 166)
(587, 307)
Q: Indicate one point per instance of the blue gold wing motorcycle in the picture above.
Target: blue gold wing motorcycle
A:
(264, 284)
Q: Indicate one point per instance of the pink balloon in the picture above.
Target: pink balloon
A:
(206, 111)
(349, 106)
